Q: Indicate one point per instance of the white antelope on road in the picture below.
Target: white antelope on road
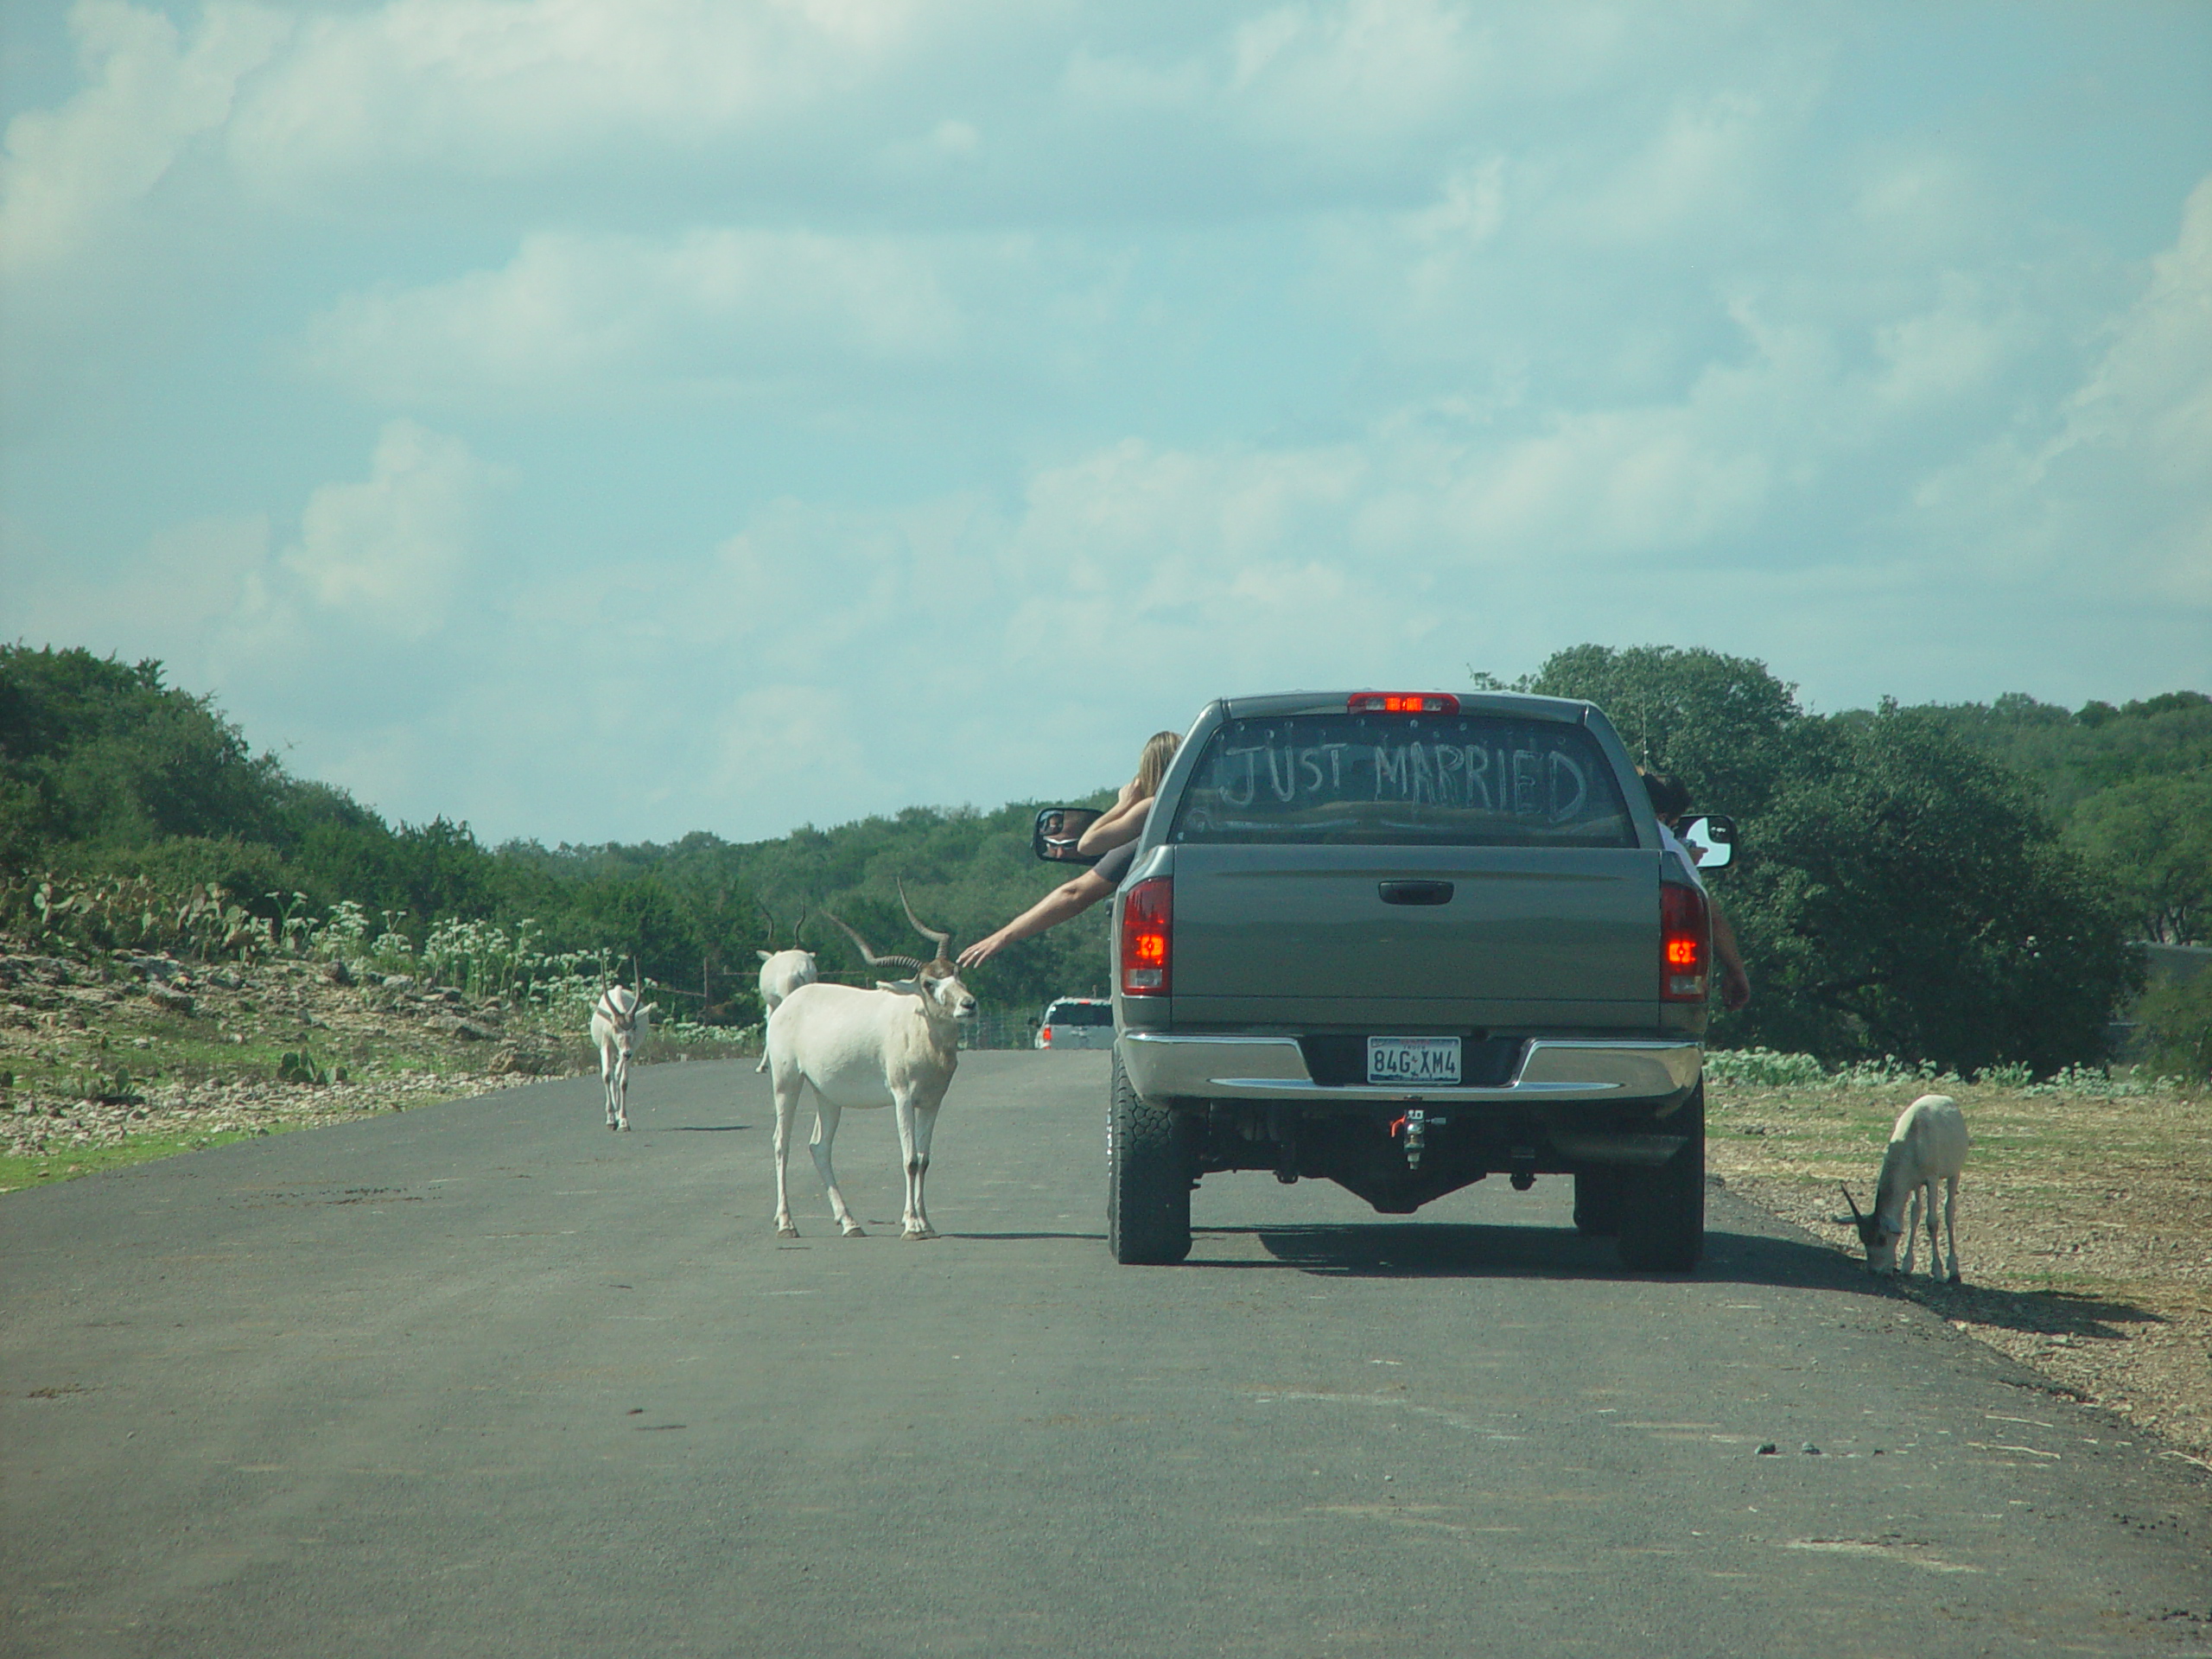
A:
(1928, 1145)
(617, 1025)
(782, 972)
(896, 1045)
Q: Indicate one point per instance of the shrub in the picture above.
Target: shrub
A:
(299, 1066)
(118, 913)
(1764, 1068)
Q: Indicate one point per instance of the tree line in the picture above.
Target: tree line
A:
(1955, 883)
(108, 774)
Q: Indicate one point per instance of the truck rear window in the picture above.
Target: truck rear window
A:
(1447, 780)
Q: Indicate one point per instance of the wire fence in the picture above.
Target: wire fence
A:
(999, 1030)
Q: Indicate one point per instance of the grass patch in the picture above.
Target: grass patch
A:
(18, 1173)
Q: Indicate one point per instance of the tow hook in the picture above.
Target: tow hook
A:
(1524, 1168)
(1415, 1127)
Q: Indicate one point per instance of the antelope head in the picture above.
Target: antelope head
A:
(618, 1004)
(938, 980)
(1881, 1242)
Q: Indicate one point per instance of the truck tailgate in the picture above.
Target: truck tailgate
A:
(1303, 937)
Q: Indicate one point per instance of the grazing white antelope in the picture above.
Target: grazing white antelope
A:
(782, 972)
(895, 1045)
(617, 1025)
(1928, 1145)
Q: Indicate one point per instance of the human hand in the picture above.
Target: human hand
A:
(983, 949)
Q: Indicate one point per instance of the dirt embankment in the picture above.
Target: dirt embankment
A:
(112, 1059)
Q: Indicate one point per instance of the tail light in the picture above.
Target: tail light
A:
(1147, 927)
(1686, 943)
(1045, 1036)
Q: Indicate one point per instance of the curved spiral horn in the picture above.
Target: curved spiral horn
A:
(868, 951)
(942, 939)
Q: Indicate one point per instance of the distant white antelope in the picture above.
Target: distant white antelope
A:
(896, 1045)
(1928, 1145)
(617, 1025)
(782, 972)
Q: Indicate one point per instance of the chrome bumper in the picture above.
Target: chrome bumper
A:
(1168, 1067)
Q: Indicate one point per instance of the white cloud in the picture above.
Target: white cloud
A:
(1954, 348)
(796, 741)
(376, 561)
(1085, 106)
(501, 89)
(390, 551)
(67, 173)
(573, 313)
(2112, 487)
(2153, 389)
(1706, 161)
(1323, 77)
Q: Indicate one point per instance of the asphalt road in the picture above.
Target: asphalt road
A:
(484, 1379)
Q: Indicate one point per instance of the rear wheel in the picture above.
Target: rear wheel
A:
(1598, 1202)
(1147, 1177)
(1662, 1210)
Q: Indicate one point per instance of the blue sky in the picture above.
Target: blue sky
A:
(603, 419)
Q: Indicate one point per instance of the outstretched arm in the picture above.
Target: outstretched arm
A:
(1121, 823)
(1069, 899)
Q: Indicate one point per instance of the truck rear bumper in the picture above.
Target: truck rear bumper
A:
(1164, 1066)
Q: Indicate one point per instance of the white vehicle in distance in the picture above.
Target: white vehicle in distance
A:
(1076, 1022)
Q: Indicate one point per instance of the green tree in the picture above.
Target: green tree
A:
(96, 751)
(2154, 836)
(1904, 896)
(721, 922)
(2072, 756)
(1723, 724)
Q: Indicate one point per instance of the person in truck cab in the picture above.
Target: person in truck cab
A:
(1113, 834)
(1124, 821)
(1671, 798)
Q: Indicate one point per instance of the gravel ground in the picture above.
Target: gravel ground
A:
(218, 1107)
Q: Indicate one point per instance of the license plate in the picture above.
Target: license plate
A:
(1412, 1059)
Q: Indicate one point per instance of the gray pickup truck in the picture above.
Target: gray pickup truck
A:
(1403, 941)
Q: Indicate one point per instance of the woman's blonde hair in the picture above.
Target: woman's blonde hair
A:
(1152, 765)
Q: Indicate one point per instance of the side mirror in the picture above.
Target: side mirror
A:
(1711, 839)
(1058, 829)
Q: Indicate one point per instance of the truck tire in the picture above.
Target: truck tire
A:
(1598, 1202)
(1148, 1179)
(1662, 1210)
